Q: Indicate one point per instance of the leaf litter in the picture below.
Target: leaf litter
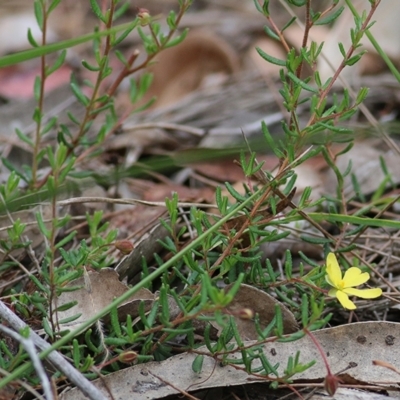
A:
(217, 103)
(351, 350)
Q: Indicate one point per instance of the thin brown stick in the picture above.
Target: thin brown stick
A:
(55, 358)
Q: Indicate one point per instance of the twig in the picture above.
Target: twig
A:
(28, 388)
(186, 394)
(29, 346)
(56, 359)
(109, 200)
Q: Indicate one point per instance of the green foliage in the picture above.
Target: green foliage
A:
(223, 249)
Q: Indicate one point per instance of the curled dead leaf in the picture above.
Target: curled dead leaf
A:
(98, 290)
(182, 69)
(261, 303)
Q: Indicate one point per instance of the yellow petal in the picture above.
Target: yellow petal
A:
(332, 292)
(354, 277)
(329, 281)
(364, 293)
(333, 269)
(345, 301)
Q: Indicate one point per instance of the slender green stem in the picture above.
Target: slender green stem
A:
(13, 59)
(36, 149)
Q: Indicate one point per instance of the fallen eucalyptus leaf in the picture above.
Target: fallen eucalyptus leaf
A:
(98, 290)
(355, 345)
(260, 303)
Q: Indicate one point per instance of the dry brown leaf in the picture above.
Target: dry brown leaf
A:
(261, 303)
(135, 221)
(182, 69)
(101, 289)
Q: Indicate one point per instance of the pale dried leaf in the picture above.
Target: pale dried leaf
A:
(101, 289)
(345, 394)
(358, 343)
(184, 68)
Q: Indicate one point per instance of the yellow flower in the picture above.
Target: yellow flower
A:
(344, 286)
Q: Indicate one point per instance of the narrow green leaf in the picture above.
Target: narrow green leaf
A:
(288, 24)
(58, 63)
(171, 20)
(315, 240)
(353, 60)
(79, 94)
(235, 194)
(121, 57)
(67, 306)
(66, 239)
(31, 39)
(97, 11)
(42, 226)
(336, 129)
(342, 49)
(47, 328)
(123, 35)
(330, 18)
(26, 55)
(76, 354)
(38, 9)
(49, 125)
(37, 88)
(268, 367)
(197, 364)
(177, 40)
(271, 33)
(24, 137)
(38, 284)
(53, 5)
(115, 322)
(300, 82)
(270, 59)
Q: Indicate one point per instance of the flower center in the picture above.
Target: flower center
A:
(340, 284)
